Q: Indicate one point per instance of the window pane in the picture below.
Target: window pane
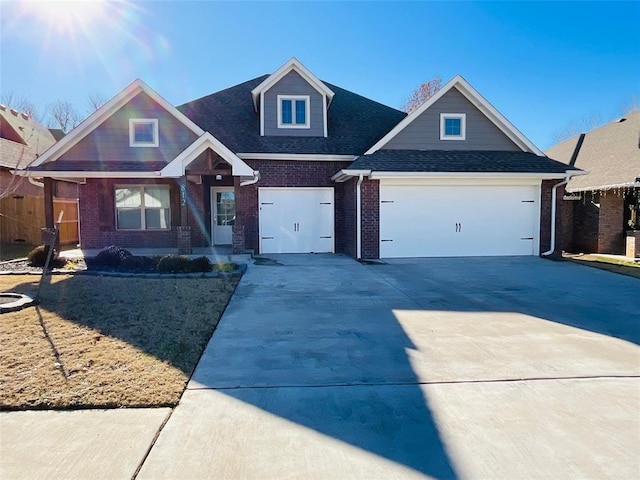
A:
(156, 197)
(143, 132)
(129, 219)
(301, 112)
(128, 197)
(286, 111)
(156, 218)
(452, 126)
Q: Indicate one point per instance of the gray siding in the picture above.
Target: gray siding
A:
(424, 132)
(109, 142)
(293, 84)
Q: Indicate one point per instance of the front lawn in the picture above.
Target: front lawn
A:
(103, 342)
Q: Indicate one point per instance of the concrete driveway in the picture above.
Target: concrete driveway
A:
(322, 367)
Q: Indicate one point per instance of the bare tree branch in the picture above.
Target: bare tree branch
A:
(96, 100)
(62, 115)
(421, 94)
(21, 103)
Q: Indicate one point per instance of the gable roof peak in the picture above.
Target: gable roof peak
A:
(293, 64)
(459, 83)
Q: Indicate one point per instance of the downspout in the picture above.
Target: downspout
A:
(32, 181)
(256, 177)
(554, 190)
(359, 217)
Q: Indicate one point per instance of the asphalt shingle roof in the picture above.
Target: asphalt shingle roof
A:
(355, 123)
(34, 139)
(611, 155)
(457, 161)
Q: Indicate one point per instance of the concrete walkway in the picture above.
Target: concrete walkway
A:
(438, 368)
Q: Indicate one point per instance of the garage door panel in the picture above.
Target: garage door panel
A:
(434, 221)
(296, 220)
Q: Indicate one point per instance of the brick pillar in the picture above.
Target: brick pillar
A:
(184, 240)
(238, 238)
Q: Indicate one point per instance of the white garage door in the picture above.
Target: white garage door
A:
(296, 220)
(458, 221)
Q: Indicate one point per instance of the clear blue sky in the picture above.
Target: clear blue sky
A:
(542, 64)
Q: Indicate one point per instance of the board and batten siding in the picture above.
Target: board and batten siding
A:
(293, 84)
(110, 140)
(424, 132)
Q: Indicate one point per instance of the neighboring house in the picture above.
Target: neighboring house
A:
(287, 163)
(602, 205)
(23, 140)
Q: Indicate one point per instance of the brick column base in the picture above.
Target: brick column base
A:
(633, 244)
(238, 239)
(184, 240)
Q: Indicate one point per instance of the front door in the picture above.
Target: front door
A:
(223, 214)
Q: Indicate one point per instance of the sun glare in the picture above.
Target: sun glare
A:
(66, 17)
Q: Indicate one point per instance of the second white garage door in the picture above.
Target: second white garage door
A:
(457, 221)
(296, 220)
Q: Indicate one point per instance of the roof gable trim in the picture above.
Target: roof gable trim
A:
(177, 167)
(292, 65)
(478, 101)
(99, 116)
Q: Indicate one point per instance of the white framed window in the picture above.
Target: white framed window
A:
(453, 126)
(143, 207)
(143, 132)
(293, 111)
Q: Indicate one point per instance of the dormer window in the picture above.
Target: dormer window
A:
(293, 111)
(453, 126)
(143, 132)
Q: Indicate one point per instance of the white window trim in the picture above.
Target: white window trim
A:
(143, 220)
(463, 126)
(132, 138)
(306, 99)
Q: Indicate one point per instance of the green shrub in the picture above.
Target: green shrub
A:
(38, 256)
(174, 264)
(138, 264)
(201, 264)
(112, 256)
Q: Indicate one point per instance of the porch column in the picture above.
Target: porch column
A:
(48, 203)
(184, 230)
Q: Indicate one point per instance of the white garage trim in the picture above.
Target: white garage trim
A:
(446, 219)
(296, 219)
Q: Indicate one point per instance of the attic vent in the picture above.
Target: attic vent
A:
(620, 120)
(25, 116)
(14, 112)
(3, 107)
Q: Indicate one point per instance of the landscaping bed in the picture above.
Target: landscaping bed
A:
(105, 342)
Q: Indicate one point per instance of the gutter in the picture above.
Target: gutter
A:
(256, 177)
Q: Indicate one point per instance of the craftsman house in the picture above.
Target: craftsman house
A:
(288, 163)
(602, 207)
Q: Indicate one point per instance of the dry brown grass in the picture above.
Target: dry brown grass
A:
(106, 342)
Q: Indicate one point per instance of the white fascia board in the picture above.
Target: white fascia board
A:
(307, 157)
(177, 167)
(478, 101)
(85, 174)
(104, 112)
(542, 176)
(292, 64)
(346, 174)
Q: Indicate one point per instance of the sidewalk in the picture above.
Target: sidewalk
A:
(80, 444)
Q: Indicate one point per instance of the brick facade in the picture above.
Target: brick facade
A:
(370, 218)
(596, 223)
(97, 216)
(346, 216)
(279, 173)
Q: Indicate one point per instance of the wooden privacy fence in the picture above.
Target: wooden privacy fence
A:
(23, 217)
